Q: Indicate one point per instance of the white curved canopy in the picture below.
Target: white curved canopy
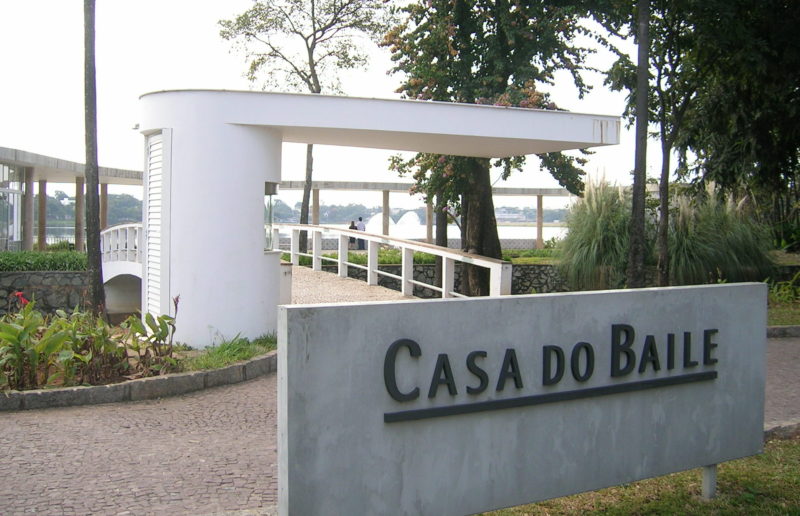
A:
(438, 127)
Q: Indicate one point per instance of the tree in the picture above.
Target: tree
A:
(97, 296)
(480, 51)
(299, 44)
(744, 132)
(672, 76)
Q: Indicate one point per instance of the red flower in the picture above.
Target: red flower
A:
(21, 298)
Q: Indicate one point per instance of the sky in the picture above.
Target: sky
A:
(152, 45)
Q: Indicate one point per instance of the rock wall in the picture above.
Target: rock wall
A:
(526, 279)
(52, 290)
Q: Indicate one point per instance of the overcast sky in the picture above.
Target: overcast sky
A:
(151, 45)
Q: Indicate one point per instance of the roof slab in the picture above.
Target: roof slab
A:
(62, 171)
(410, 125)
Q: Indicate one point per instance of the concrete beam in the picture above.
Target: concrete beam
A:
(80, 213)
(42, 236)
(386, 212)
(27, 211)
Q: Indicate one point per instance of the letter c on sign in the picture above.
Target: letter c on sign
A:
(389, 377)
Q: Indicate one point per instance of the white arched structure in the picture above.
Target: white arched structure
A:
(209, 153)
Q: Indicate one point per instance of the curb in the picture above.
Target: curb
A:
(783, 430)
(141, 389)
(782, 332)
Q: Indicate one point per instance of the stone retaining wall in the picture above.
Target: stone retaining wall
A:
(526, 279)
(52, 290)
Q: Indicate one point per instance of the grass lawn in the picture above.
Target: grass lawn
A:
(783, 314)
(763, 484)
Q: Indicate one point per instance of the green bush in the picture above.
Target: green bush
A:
(594, 253)
(711, 239)
(714, 239)
(42, 261)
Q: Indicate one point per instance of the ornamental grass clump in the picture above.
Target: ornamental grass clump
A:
(594, 253)
(716, 239)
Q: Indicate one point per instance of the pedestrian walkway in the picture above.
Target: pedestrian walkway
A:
(211, 452)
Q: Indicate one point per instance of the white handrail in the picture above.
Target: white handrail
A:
(122, 243)
(499, 270)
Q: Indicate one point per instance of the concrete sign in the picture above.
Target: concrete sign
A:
(452, 407)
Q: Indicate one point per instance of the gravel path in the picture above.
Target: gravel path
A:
(309, 287)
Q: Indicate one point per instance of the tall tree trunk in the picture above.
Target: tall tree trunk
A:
(481, 233)
(97, 297)
(306, 196)
(440, 219)
(635, 272)
(663, 212)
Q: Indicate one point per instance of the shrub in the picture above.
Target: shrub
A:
(594, 253)
(714, 239)
(42, 261)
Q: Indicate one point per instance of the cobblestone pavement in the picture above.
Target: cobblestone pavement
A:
(207, 453)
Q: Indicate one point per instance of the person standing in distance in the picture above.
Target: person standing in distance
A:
(361, 227)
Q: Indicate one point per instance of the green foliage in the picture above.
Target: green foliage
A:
(231, 351)
(594, 253)
(42, 261)
(71, 349)
(785, 291)
(713, 239)
(151, 340)
(479, 52)
(90, 354)
(19, 348)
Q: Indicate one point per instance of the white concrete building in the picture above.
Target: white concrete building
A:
(209, 155)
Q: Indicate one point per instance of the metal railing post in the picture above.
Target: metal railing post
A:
(295, 247)
(276, 239)
(344, 241)
(317, 252)
(407, 274)
(448, 277)
(372, 262)
(500, 279)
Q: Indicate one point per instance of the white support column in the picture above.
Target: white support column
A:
(315, 206)
(42, 236)
(27, 210)
(429, 222)
(448, 277)
(317, 252)
(80, 212)
(709, 482)
(372, 262)
(539, 222)
(344, 241)
(407, 274)
(295, 247)
(500, 280)
(276, 239)
(386, 212)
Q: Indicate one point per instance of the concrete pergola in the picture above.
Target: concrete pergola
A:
(211, 154)
(387, 188)
(41, 169)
